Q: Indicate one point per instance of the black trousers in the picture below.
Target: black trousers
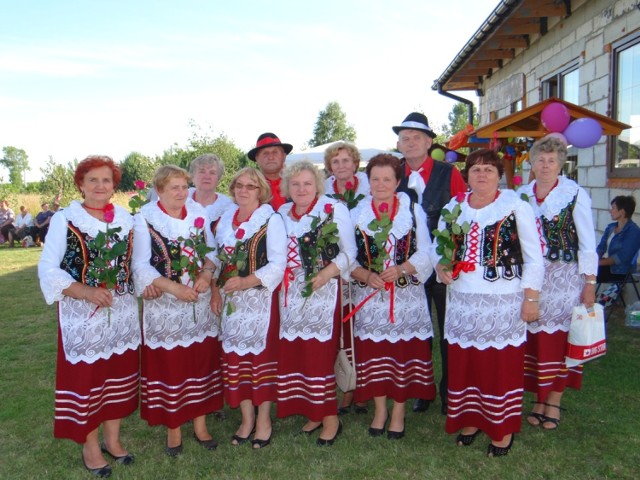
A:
(437, 295)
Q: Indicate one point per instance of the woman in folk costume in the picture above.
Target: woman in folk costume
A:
(174, 252)
(97, 370)
(493, 291)
(206, 171)
(252, 246)
(565, 225)
(393, 325)
(349, 186)
(320, 250)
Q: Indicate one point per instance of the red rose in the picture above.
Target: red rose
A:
(108, 213)
(140, 185)
(384, 207)
(328, 208)
(517, 180)
(348, 185)
(460, 197)
(198, 222)
(239, 233)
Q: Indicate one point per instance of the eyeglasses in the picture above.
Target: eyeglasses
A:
(248, 187)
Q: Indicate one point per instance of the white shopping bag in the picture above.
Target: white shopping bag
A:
(586, 335)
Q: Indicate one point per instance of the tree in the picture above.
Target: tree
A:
(332, 126)
(458, 119)
(134, 167)
(204, 142)
(15, 159)
(58, 179)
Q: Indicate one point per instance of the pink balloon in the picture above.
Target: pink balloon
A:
(583, 132)
(555, 117)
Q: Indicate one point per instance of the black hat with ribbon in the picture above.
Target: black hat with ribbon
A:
(415, 121)
(268, 140)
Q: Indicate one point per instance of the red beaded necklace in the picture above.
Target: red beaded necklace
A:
(183, 212)
(307, 211)
(535, 189)
(102, 209)
(394, 209)
(236, 221)
(356, 182)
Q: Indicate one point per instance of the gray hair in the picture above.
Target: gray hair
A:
(204, 160)
(548, 145)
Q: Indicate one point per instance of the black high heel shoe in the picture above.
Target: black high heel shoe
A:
(257, 443)
(321, 442)
(466, 440)
(100, 472)
(378, 432)
(495, 451)
(207, 444)
(127, 459)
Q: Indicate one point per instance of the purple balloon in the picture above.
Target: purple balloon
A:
(583, 132)
(555, 117)
(451, 156)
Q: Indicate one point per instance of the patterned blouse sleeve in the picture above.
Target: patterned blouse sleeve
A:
(533, 265)
(587, 256)
(53, 280)
(143, 273)
(421, 260)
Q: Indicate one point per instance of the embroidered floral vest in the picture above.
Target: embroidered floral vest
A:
(163, 252)
(561, 235)
(327, 254)
(500, 247)
(256, 247)
(405, 247)
(78, 259)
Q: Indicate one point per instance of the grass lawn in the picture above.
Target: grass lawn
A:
(598, 438)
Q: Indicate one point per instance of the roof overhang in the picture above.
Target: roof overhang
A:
(511, 28)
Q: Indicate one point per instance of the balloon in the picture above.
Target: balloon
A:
(510, 150)
(583, 132)
(555, 117)
(437, 154)
(559, 136)
(451, 156)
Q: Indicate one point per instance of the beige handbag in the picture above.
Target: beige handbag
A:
(344, 368)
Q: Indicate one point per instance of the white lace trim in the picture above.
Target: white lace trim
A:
(489, 215)
(227, 236)
(557, 200)
(80, 218)
(482, 321)
(172, 228)
(402, 223)
(363, 185)
(219, 207)
(311, 317)
(169, 322)
(411, 316)
(245, 330)
(298, 229)
(89, 335)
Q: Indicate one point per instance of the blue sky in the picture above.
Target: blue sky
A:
(111, 77)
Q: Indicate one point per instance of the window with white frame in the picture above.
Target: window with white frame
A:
(625, 85)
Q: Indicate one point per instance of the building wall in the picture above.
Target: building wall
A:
(586, 36)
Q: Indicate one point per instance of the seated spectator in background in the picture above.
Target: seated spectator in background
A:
(618, 247)
(56, 206)
(7, 217)
(41, 223)
(23, 226)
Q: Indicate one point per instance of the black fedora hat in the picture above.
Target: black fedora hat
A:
(415, 121)
(268, 140)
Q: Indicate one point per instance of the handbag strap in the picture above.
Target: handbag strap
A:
(353, 349)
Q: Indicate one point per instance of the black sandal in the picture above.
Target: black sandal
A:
(540, 418)
(466, 440)
(554, 421)
(495, 451)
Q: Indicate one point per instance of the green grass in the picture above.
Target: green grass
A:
(598, 437)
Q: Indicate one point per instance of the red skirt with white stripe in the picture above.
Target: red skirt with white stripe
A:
(544, 367)
(88, 394)
(180, 384)
(485, 390)
(254, 377)
(306, 376)
(399, 370)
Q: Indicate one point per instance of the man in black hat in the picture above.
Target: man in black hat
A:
(270, 153)
(431, 184)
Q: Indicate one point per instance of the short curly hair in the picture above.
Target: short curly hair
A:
(484, 156)
(96, 161)
(334, 150)
(255, 175)
(296, 169)
(385, 160)
(548, 144)
(204, 160)
(165, 173)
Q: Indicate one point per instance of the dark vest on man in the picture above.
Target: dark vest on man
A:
(436, 195)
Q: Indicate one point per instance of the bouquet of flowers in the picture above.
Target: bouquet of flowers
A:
(193, 254)
(328, 235)
(139, 197)
(233, 260)
(445, 238)
(108, 247)
(381, 225)
(349, 196)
